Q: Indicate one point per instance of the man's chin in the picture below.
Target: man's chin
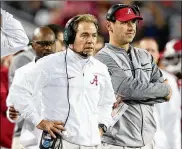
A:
(129, 40)
(89, 52)
(46, 54)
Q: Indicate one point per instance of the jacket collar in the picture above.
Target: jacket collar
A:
(114, 48)
(76, 57)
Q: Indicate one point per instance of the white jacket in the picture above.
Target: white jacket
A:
(13, 36)
(30, 135)
(90, 101)
(168, 118)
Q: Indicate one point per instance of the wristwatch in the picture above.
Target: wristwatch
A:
(104, 128)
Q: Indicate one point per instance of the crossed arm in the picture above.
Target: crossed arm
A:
(134, 90)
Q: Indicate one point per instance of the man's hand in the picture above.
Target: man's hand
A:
(101, 131)
(118, 101)
(170, 91)
(13, 114)
(51, 127)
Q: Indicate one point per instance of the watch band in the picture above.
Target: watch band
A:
(103, 127)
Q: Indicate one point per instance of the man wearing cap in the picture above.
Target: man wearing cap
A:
(136, 79)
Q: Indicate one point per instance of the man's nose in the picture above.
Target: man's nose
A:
(131, 24)
(48, 47)
(90, 39)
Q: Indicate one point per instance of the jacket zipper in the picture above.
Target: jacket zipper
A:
(129, 57)
(142, 125)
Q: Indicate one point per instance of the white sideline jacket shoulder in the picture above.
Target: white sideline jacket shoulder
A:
(91, 95)
(13, 36)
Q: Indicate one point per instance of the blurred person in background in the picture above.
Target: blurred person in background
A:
(29, 53)
(58, 30)
(13, 36)
(171, 57)
(171, 60)
(168, 135)
(43, 44)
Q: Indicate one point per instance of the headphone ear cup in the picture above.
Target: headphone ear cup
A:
(69, 33)
(72, 35)
(65, 35)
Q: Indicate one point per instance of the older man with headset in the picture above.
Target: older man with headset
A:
(76, 91)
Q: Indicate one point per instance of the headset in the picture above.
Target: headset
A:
(110, 14)
(69, 32)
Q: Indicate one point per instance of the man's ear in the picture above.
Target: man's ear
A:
(33, 45)
(109, 26)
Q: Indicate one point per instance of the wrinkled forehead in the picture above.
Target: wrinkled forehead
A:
(87, 27)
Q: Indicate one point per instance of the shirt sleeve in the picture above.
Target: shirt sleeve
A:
(13, 36)
(106, 101)
(23, 91)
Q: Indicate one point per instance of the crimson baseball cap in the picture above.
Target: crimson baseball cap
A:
(126, 14)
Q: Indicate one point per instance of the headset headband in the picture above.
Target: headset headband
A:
(110, 14)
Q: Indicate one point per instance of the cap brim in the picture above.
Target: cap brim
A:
(129, 18)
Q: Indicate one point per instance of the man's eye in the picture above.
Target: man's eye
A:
(84, 35)
(94, 35)
(123, 22)
(134, 21)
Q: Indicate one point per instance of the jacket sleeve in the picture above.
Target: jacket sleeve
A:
(23, 91)
(131, 88)
(107, 98)
(13, 36)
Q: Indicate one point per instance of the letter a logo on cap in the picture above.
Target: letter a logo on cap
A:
(129, 11)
